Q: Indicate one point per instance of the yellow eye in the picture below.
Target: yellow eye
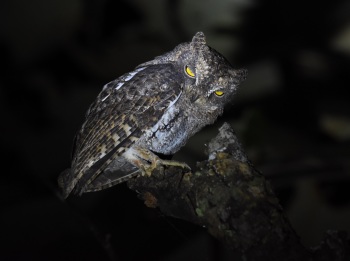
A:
(219, 93)
(189, 72)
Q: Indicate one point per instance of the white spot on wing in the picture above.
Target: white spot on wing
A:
(116, 138)
(127, 129)
(128, 77)
(104, 98)
(119, 85)
(103, 151)
(90, 163)
(132, 74)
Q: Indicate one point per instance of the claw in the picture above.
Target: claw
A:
(146, 161)
(174, 163)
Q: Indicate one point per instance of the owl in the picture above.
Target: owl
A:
(149, 113)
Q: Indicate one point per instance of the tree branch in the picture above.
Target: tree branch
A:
(229, 197)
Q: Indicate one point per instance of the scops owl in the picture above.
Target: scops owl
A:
(149, 112)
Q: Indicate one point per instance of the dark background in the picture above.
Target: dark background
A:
(292, 115)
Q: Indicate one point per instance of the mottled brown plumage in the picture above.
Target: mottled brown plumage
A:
(154, 109)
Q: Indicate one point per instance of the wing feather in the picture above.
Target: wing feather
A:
(122, 112)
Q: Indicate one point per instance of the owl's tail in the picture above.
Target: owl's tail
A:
(65, 184)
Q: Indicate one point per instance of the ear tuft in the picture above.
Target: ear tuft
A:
(198, 40)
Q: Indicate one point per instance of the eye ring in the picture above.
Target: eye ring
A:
(189, 72)
(219, 93)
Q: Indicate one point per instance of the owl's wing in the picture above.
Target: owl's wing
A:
(124, 109)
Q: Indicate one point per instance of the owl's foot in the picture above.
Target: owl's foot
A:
(173, 163)
(146, 161)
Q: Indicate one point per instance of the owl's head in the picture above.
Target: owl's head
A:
(208, 78)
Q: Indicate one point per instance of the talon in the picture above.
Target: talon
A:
(175, 164)
(147, 161)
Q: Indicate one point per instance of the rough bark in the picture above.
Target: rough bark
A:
(235, 202)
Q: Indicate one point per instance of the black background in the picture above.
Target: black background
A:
(292, 115)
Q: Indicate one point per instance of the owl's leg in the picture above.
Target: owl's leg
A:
(146, 161)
